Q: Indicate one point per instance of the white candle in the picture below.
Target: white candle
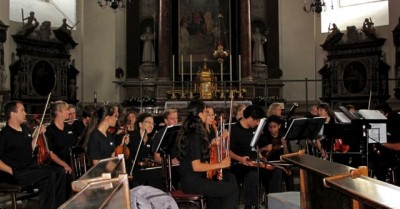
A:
(182, 68)
(222, 72)
(190, 67)
(230, 67)
(240, 68)
(173, 68)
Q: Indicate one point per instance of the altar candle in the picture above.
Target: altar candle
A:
(230, 67)
(190, 67)
(222, 72)
(173, 68)
(240, 68)
(182, 68)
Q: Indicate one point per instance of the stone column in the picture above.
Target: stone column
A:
(245, 37)
(164, 40)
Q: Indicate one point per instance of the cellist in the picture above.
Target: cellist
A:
(16, 159)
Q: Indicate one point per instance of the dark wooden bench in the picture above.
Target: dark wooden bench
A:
(13, 190)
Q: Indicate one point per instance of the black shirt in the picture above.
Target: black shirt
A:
(240, 138)
(79, 128)
(145, 148)
(99, 146)
(16, 147)
(60, 141)
(193, 152)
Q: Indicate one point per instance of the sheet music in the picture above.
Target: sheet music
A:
(342, 117)
(377, 133)
(372, 114)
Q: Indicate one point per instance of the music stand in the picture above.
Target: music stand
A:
(253, 143)
(302, 128)
(166, 146)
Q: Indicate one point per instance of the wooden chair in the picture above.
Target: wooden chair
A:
(8, 185)
(179, 196)
(79, 162)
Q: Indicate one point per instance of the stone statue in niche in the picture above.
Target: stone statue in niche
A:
(16, 86)
(3, 77)
(148, 54)
(30, 25)
(259, 40)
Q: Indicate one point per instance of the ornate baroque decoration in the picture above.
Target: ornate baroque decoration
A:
(43, 66)
(354, 69)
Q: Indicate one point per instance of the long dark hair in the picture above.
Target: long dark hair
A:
(97, 117)
(193, 125)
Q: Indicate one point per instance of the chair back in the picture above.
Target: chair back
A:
(79, 162)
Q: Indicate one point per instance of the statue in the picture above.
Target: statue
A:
(334, 35)
(3, 77)
(16, 86)
(148, 48)
(368, 28)
(258, 51)
(65, 27)
(30, 25)
(45, 31)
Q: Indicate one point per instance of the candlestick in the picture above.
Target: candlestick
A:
(190, 67)
(173, 68)
(240, 67)
(230, 68)
(182, 71)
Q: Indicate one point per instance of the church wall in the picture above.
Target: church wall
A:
(4, 17)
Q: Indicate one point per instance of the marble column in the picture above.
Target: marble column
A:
(245, 37)
(165, 37)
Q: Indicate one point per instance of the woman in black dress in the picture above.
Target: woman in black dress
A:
(194, 148)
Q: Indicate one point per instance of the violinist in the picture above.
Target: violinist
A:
(211, 126)
(17, 162)
(127, 129)
(60, 138)
(238, 112)
(242, 154)
(72, 114)
(141, 154)
(100, 144)
(322, 143)
(272, 145)
(193, 148)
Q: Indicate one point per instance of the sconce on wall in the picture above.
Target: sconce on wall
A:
(316, 6)
(113, 4)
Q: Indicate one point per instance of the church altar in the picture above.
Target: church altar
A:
(215, 104)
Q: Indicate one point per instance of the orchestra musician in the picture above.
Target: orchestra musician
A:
(211, 126)
(242, 154)
(60, 138)
(170, 117)
(100, 144)
(141, 148)
(272, 145)
(72, 114)
(238, 112)
(322, 143)
(16, 159)
(81, 124)
(194, 149)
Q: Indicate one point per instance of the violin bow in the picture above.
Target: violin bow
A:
(37, 131)
(137, 153)
(229, 127)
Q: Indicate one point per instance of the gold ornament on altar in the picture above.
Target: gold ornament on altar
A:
(206, 82)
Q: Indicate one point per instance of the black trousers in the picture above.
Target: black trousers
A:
(219, 194)
(51, 184)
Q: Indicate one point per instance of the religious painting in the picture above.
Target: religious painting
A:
(203, 25)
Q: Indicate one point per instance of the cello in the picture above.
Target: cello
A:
(40, 141)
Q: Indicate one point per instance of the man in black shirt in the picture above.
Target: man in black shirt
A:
(242, 154)
(16, 158)
(81, 124)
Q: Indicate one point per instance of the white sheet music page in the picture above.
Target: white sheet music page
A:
(342, 118)
(377, 133)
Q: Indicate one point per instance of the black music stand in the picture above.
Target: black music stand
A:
(166, 147)
(253, 143)
(304, 128)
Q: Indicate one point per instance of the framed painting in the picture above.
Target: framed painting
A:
(202, 25)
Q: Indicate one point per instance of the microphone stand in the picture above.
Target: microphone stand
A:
(258, 176)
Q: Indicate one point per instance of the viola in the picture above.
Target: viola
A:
(339, 146)
(43, 154)
(146, 163)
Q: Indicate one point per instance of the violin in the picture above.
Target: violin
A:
(43, 154)
(123, 149)
(215, 156)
